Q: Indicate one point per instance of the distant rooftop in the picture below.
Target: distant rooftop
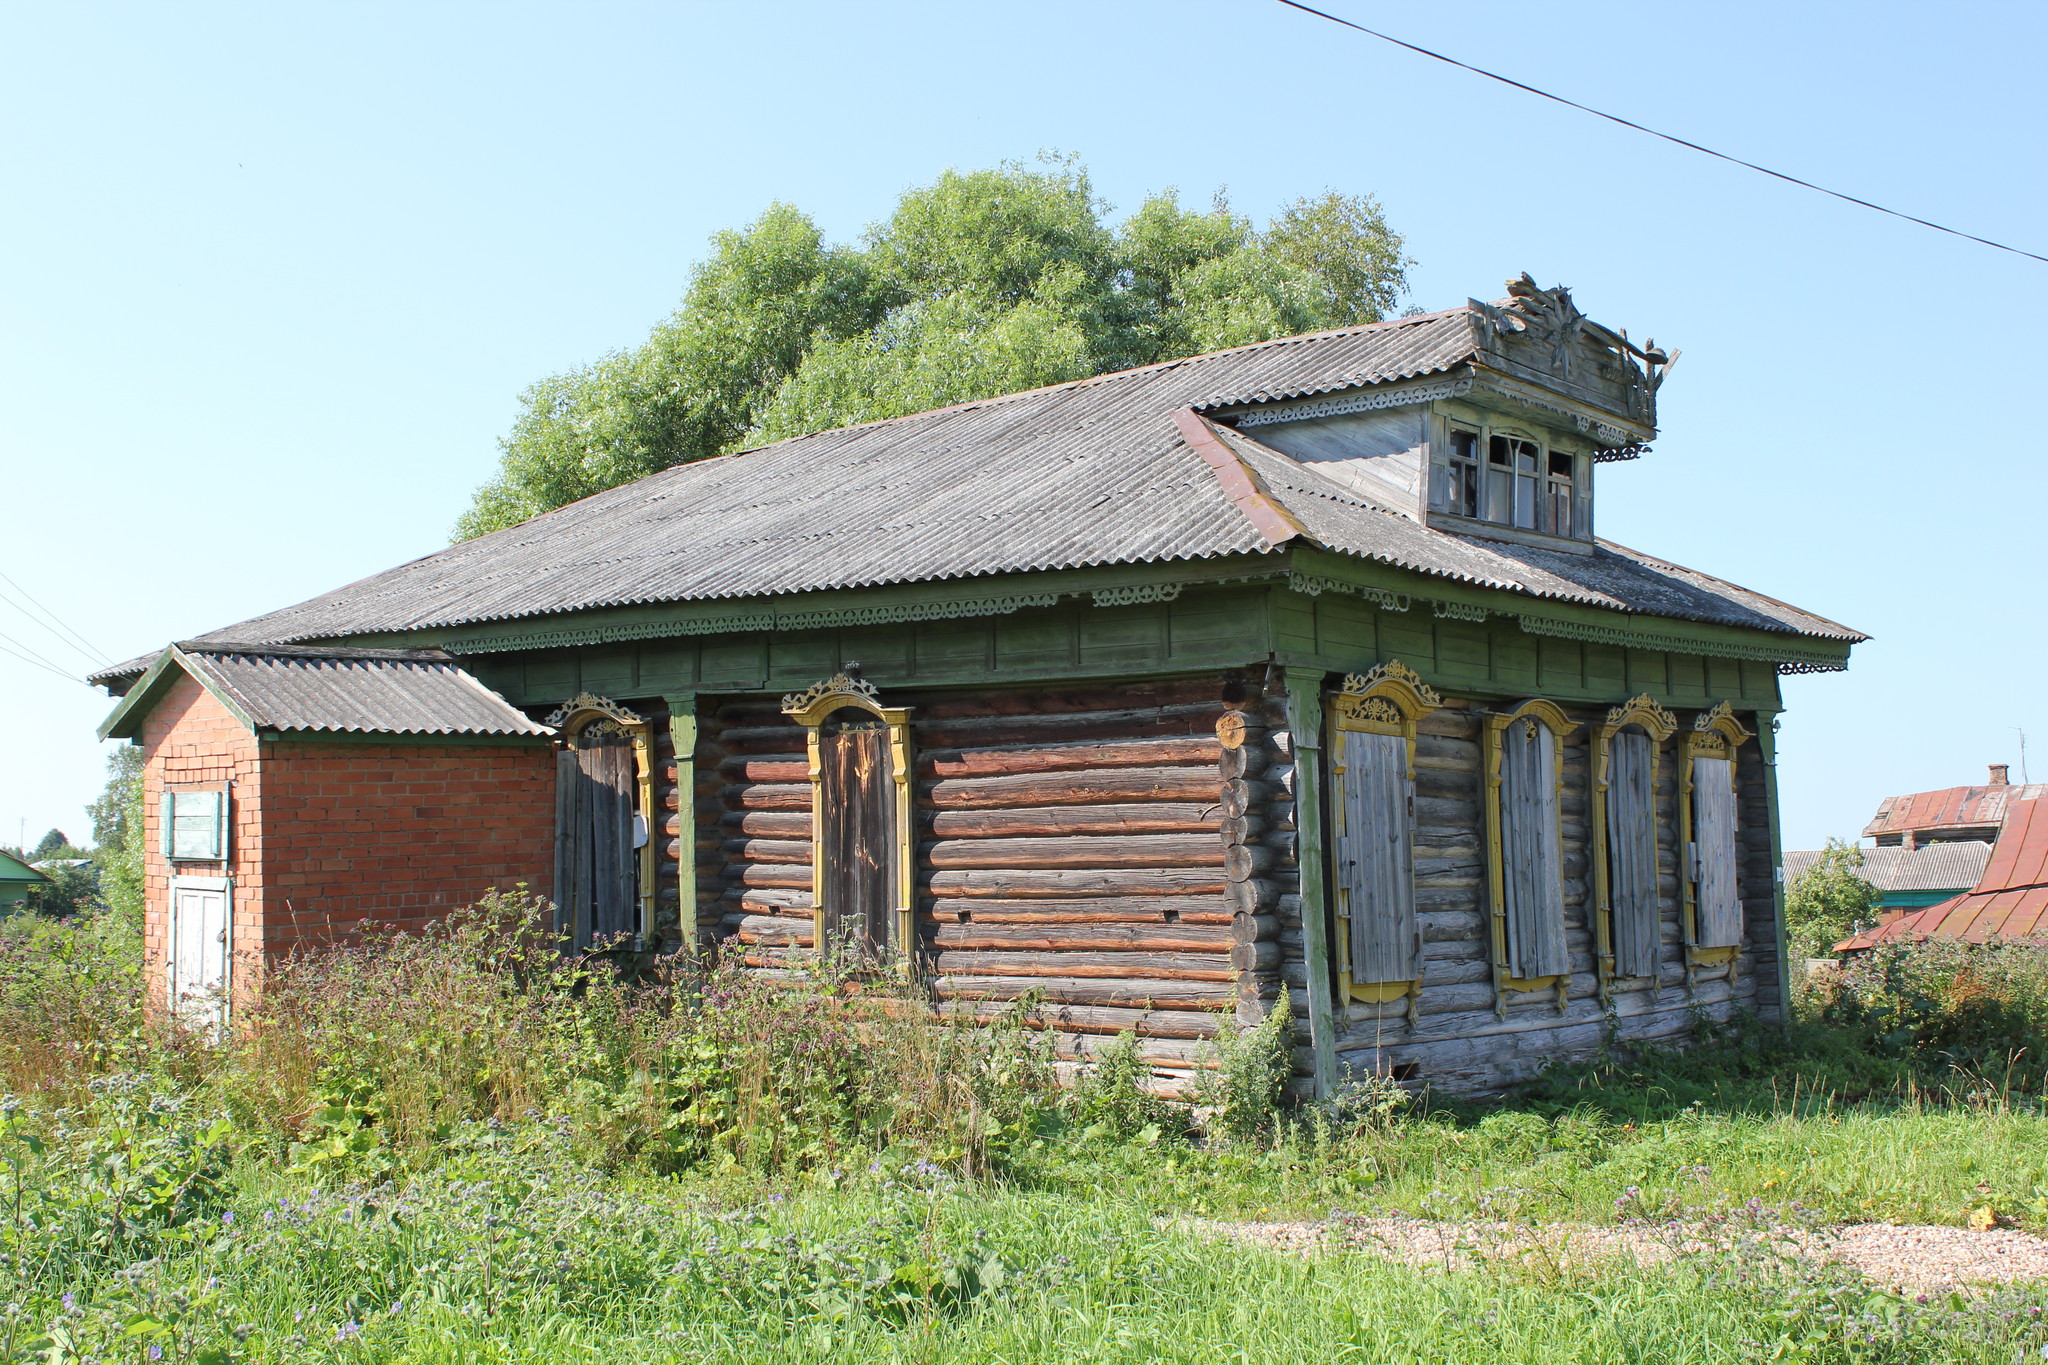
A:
(1952, 811)
(2010, 901)
(1952, 866)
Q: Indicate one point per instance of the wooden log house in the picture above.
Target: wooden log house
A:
(1298, 666)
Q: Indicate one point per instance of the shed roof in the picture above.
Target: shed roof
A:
(13, 869)
(1949, 808)
(1095, 472)
(2009, 901)
(354, 691)
(1931, 867)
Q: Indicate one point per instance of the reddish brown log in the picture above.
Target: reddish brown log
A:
(1145, 994)
(1246, 861)
(1065, 884)
(1118, 851)
(1142, 818)
(766, 768)
(769, 824)
(1154, 967)
(770, 874)
(766, 796)
(1155, 937)
(1108, 1021)
(1057, 758)
(768, 850)
(1096, 787)
(1105, 910)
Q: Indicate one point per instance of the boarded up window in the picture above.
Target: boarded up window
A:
(195, 826)
(1375, 856)
(1532, 853)
(1713, 827)
(1632, 852)
(597, 872)
(857, 834)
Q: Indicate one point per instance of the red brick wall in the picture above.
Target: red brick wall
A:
(328, 837)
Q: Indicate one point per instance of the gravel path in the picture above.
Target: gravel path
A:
(1914, 1259)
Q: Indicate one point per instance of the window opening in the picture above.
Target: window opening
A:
(1558, 514)
(1460, 494)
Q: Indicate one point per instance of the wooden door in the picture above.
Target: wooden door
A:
(857, 835)
(1374, 800)
(597, 873)
(1532, 851)
(1632, 852)
(1718, 906)
(199, 952)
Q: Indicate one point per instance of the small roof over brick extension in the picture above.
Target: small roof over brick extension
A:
(282, 690)
(2010, 901)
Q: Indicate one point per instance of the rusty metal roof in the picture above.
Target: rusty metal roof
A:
(2010, 901)
(1093, 472)
(1949, 808)
(1932, 867)
(363, 691)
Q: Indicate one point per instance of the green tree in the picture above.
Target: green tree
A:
(55, 844)
(1822, 907)
(117, 834)
(979, 283)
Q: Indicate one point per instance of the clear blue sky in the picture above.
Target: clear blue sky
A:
(271, 277)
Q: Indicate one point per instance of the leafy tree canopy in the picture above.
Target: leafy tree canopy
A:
(54, 844)
(980, 283)
(1827, 901)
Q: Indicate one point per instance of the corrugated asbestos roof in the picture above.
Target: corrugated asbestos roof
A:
(1949, 808)
(1094, 472)
(1932, 867)
(364, 691)
(2010, 901)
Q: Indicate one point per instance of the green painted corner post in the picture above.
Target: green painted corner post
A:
(1767, 746)
(1305, 720)
(682, 728)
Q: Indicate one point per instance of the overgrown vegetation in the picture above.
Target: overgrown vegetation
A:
(462, 1146)
(979, 283)
(1828, 901)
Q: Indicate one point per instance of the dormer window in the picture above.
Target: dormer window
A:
(1509, 478)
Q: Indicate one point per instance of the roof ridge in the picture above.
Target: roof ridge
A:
(1239, 481)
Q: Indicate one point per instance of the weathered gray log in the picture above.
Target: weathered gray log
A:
(768, 850)
(936, 735)
(1063, 757)
(1251, 896)
(769, 874)
(1163, 817)
(768, 824)
(765, 768)
(1248, 761)
(1245, 861)
(1113, 851)
(1105, 1020)
(1079, 788)
(766, 796)
(770, 930)
(767, 900)
(1255, 957)
(1244, 796)
(1064, 883)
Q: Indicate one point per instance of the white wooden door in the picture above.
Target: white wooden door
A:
(199, 950)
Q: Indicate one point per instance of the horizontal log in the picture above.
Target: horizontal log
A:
(1077, 788)
(1066, 883)
(1106, 1021)
(768, 850)
(769, 824)
(1071, 990)
(766, 795)
(1162, 817)
(770, 874)
(1092, 910)
(1245, 796)
(1063, 757)
(1196, 719)
(1114, 851)
(768, 900)
(766, 768)
(756, 739)
(1152, 967)
(1251, 896)
(1256, 957)
(1248, 761)
(1153, 938)
(770, 930)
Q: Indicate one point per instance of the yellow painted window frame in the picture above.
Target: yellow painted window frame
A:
(1660, 725)
(1387, 700)
(569, 719)
(810, 708)
(1549, 714)
(1715, 734)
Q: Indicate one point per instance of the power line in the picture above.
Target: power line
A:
(92, 651)
(1615, 118)
(41, 663)
(37, 655)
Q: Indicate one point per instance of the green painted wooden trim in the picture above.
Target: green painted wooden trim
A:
(1767, 748)
(1633, 637)
(1305, 723)
(416, 739)
(127, 717)
(682, 728)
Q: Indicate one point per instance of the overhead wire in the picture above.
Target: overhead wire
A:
(1682, 142)
(40, 662)
(61, 628)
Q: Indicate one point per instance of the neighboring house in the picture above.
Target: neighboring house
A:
(1145, 697)
(1908, 878)
(1954, 814)
(17, 880)
(2010, 901)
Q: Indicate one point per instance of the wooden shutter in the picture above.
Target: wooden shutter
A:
(1532, 852)
(857, 836)
(1375, 856)
(596, 870)
(1632, 853)
(1719, 906)
(195, 826)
